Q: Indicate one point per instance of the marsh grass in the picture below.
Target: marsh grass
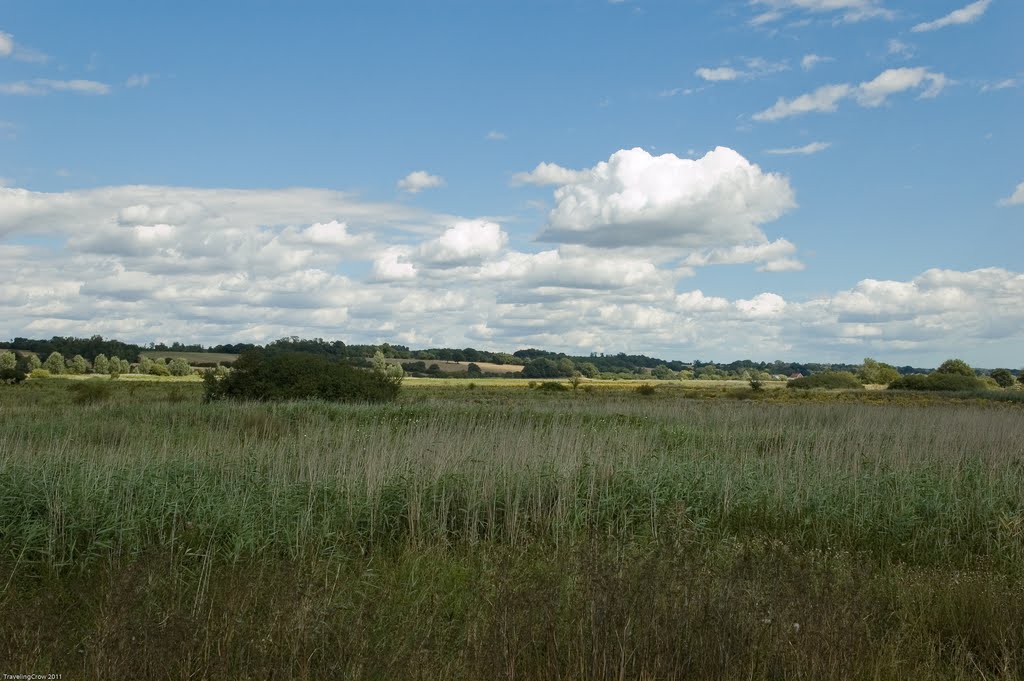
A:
(510, 534)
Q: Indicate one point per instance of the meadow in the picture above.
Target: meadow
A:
(496, 531)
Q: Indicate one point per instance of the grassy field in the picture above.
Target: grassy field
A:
(191, 357)
(463, 367)
(501, 532)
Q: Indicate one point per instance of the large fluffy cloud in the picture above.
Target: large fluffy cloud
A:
(636, 199)
(466, 242)
(147, 263)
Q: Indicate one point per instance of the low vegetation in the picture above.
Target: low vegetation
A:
(262, 375)
(510, 533)
(830, 380)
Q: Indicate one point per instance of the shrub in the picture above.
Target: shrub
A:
(645, 389)
(14, 371)
(553, 386)
(179, 367)
(92, 391)
(40, 373)
(1003, 377)
(276, 376)
(830, 380)
(937, 381)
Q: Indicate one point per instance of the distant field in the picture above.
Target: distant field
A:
(194, 378)
(192, 357)
(462, 367)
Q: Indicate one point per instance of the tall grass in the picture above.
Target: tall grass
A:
(525, 535)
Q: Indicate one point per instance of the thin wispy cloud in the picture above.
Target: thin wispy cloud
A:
(752, 67)
(496, 136)
(43, 86)
(871, 94)
(805, 150)
(964, 15)
(809, 61)
(1004, 84)
(139, 80)
(843, 11)
(898, 48)
(14, 50)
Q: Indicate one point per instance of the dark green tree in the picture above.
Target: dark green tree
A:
(1004, 377)
(955, 366)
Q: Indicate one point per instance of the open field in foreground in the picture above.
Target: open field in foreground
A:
(507, 533)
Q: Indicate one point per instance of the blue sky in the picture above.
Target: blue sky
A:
(803, 179)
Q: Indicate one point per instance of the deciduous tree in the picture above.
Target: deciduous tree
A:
(54, 363)
(1003, 377)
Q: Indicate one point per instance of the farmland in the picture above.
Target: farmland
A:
(191, 357)
(504, 532)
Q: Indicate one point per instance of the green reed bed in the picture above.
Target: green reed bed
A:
(516, 535)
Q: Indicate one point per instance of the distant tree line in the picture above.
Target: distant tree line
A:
(80, 355)
(69, 347)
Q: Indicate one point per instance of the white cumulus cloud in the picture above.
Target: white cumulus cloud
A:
(548, 174)
(1016, 198)
(774, 256)
(466, 242)
(964, 15)
(638, 200)
(718, 74)
(419, 180)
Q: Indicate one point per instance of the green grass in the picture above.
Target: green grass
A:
(502, 532)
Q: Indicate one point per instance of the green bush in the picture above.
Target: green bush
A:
(645, 389)
(276, 376)
(179, 367)
(15, 369)
(40, 373)
(1003, 377)
(937, 381)
(92, 391)
(553, 386)
(830, 380)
